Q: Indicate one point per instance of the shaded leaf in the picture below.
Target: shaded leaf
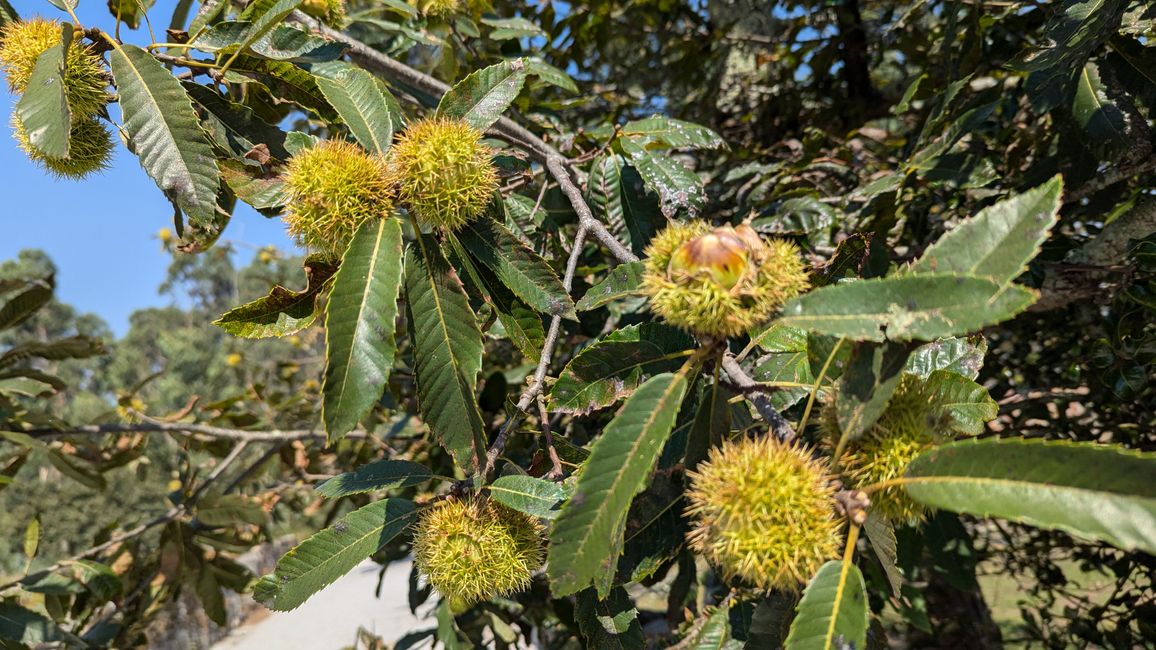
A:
(677, 186)
(329, 554)
(447, 352)
(23, 305)
(229, 510)
(1104, 112)
(618, 468)
(610, 623)
(619, 191)
(867, 383)
(1092, 491)
(283, 43)
(533, 496)
(234, 126)
(522, 270)
(379, 475)
(904, 308)
(966, 403)
(550, 74)
(669, 132)
(613, 366)
(73, 347)
(262, 190)
(833, 613)
(787, 360)
(882, 537)
(283, 311)
(26, 626)
(164, 132)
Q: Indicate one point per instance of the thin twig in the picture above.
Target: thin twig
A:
(558, 169)
(190, 429)
(171, 515)
(1109, 178)
(760, 397)
(555, 462)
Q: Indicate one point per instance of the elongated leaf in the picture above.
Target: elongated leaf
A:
(262, 190)
(669, 132)
(20, 307)
(619, 190)
(130, 11)
(623, 281)
(533, 496)
(618, 468)
(283, 43)
(1105, 112)
(447, 352)
(73, 347)
(482, 97)
(43, 108)
(999, 241)
(229, 510)
(614, 365)
(7, 13)
(380, 475)
(963, 356)
(550, 74)
(787, 360)
(677, 186)
(363, 106)
(283, 311)
(164, 132)
(967, 404)
(882, 538)
(1092, 491)
(867, 383)
(359, 323)
(833, 612)
(904, 308)
(235, 127)
(329, 554)
(522, 270)
(265, 15)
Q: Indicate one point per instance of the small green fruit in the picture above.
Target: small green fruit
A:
(333, 188)
(89, 149)
(722, 282)
(472, 549)
(443, 172)
(764, 512)
(85, 80)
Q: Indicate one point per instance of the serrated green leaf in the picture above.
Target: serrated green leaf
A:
(966, 403)
(882, 537)
(867, 383)
(27, 386)
(360, 318)
(482, 97)
(164, 132)
(623, 281)
(1094, 491)
(43, 108)
(961, 355)
(362, 103)
(234, 127)
(264, 16)
(669, 132)
(73, 347)
(282, 43)
(262, 190)
(77, 470)
(619, 191)
(130, 12)
(329, 554)
(833, 613)
(677, 187)
(522, 270)
(999, 241)
(618, 468)
(714, 633)
(7, 13)
(533, 496)
(1073, 33)
(379, 475)
(1103, 110)
(550, 74)
(613, 366)
(786, 360)
(285, 80)
(23, 305)
(904, 308)
(283, 311)
(447, 352)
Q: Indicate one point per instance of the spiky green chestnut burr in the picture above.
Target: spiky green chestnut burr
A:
(764, 512)
(85, 81)
(330, 12)
(443, 172)
(333, 188)
(911, 424)
(89, 149)
(720, 282)
(473, 548)
(439, 8)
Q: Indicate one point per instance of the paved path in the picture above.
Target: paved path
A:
(330, 619)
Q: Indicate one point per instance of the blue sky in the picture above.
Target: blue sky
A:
(101, 232)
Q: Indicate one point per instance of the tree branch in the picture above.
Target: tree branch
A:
(171, 515)
(504, 127)
(760, 397)
(190, 429)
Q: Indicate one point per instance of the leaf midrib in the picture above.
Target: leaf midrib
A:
(359, 321)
